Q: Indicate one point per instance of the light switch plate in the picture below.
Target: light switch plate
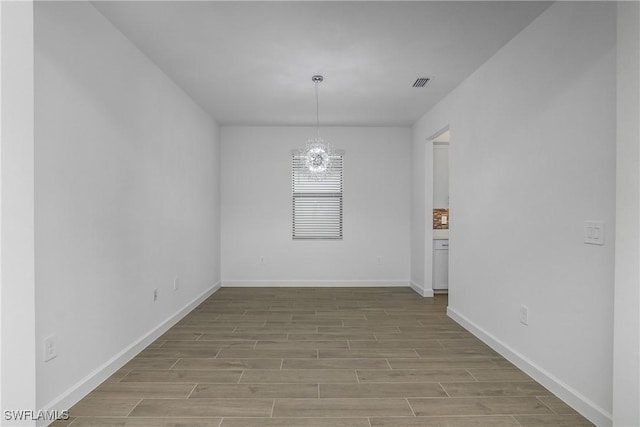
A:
(594, 232)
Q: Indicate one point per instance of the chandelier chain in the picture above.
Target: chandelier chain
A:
(317, 111)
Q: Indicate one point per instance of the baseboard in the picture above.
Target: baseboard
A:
(76, 392)
(571, 397)
(420, 290)
(313, 283)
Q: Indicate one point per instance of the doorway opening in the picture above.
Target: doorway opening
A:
(440, 215)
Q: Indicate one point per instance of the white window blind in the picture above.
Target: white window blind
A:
(317, 204)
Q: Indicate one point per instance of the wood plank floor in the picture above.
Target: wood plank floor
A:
(320, 357)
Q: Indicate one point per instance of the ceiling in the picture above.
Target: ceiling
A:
(251, 63)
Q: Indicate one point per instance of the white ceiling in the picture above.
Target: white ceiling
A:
(250, 63)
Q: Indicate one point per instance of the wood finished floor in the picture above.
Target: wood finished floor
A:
(320, 357)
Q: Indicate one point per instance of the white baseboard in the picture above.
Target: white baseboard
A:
(571, 397)
(420, 290)
(76, 392)
(313, 283)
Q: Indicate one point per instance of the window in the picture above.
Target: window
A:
(317, 204)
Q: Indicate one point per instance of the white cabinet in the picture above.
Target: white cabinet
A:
(441, 176)
(440, 264)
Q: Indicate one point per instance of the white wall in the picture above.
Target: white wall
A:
(532, 156)
(421, 204)
(626, 356)
(256, 209)
(17, 308)
(440, 176)
(126, 195)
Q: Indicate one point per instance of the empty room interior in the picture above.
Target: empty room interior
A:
(321, 214)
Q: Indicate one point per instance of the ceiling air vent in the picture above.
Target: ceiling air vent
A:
(421, 82)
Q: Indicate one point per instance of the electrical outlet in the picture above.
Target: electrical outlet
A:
(176, 283)
(155, 295)
(50, 350)
(262, 260)
(379, 260)
(594, 232)
(524, 315)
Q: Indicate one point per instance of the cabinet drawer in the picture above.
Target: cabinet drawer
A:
(441, 244)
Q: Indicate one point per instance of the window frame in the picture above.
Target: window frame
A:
(330, 225)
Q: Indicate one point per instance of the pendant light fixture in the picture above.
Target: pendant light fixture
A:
(317, 154)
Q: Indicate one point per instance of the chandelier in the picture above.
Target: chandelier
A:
(316, 154)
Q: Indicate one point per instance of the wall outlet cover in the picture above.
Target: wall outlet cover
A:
(50, 350)
(524, 314)
(594, 232)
